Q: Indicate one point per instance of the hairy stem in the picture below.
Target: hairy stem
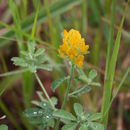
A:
(43, 89)
(66, 94)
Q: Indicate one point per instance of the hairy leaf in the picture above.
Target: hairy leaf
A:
(58, 82)
(71, 126)
(64, 114)
(78, 109)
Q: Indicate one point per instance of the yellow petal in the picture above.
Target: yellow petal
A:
(79, 60)
(65, 32)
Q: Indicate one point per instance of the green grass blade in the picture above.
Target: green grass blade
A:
(4, 66)
(16, 19)
(95, 11)
(9, 115)
(84, 5)
(27, 78)
(53, 30)
(55, 9)
(117, 89)
(109, 82)
(24, 9)
(25, 34)
(7, 82)
(13, 72)
(110, 40)
(35, 3)
(95, 51)
(107, 6)
(35, 21)
(53, 35)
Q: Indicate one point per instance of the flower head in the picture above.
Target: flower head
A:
(73, 47)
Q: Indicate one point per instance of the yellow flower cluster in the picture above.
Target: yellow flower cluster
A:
(73, 47)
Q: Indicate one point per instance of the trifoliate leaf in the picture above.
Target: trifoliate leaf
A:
(31, 47)
(92, 74)
(3, 127)
(24, 53)
(34, 115)
(84, 78)
(88, 114)
(78, 109)
(80, 91)
(51, 123)
(41, 59)
(64, 115)
(33, 60)
(19, 61)
(37, 103)
(71, 126)
(65, 121)
(84, 127)
(47, 67)
(32, 68)
(58, 82)
(38, 116)
(95, 116)
(54, 100)
(95, 84)
(96, 126)
(39, 51)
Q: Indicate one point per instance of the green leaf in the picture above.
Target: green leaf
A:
(47, 67)
(19, 62)
(3, 127)
(34, 115)
(92, 74)
(84, 78)
(87, 114)
(42, 127)
(33, 112)
(32, 68)
(95, 116)
(96, 126)
(51, 123)
(8, 82)
(38, 116)
(64, 114)
(65, 121)
(31, 47)
(95, 84)
(78, 109)
(46, 106)
(71, 126)
(37, 103)
(80, 91)
(39, 51)
(83, 127)
(54, 100)
(41, 59)
(39, 93)
(58, 82)
(24, 53)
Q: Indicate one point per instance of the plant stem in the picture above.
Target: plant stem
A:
(43, 89)
(68, 87)
(66, 94)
